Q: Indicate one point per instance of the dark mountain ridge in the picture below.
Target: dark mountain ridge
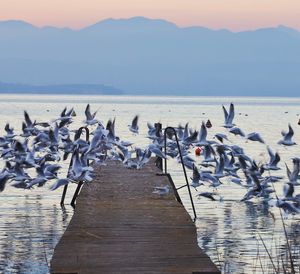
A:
(146, 56)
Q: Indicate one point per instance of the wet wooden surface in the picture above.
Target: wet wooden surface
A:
(121, 226)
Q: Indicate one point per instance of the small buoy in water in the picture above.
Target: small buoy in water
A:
(198, 151)
(208, 124)
(299, 122)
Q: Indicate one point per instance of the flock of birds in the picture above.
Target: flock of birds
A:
(222, 159)
(34, 157)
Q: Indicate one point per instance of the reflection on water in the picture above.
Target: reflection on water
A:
(229, 232)
(31, 222)
(30, 227)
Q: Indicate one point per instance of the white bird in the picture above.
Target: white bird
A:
(134, 125)
(59, 183)
(221, 137)
(236, 131)
(161, 190)
(4, 177)
(9, 132)
(293, 176)
(196, 178)
(65, 117)
(219, 169)
(274, 160)
(288, 190)
(202, 136)
(254, 136)
(287, 207)
(229, 116)
(287, 137)
(157, 151)
(208, 153)
(29, 125)
(90, 118)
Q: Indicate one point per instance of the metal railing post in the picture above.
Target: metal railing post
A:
(87, 137)
(77, 136)
(158, 161)
(183, 167)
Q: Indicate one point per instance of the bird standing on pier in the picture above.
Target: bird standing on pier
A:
(161, 190)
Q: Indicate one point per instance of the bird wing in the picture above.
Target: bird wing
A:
(225, 114)
(58, 183)
(196, 175)
(135, 121)
(63, 113)
(27, 118)
(276, 159)
(289, 134)
(202, 133)
(271, 154)
(186, 131)
(288, 171)
(231, 113)
(88, 112)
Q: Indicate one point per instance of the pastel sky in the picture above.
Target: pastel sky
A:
(231, 14)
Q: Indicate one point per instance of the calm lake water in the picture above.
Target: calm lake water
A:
(32, 222)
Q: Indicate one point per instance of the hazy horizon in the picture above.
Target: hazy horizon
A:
(235, 15)
(101, 20)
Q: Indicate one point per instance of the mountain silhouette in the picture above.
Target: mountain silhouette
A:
(146, 56)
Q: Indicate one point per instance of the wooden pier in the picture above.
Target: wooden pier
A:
(121, 226)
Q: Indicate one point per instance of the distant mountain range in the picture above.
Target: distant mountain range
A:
(145, 56)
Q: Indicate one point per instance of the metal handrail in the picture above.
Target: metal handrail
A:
(183, 167)
(76, 137)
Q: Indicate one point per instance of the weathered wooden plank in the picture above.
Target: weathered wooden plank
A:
(121, 226)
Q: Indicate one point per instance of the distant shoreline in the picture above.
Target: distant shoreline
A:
(60, 93)
(72, 89)
(166, 95)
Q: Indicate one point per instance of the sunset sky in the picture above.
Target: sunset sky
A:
(235, 15)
